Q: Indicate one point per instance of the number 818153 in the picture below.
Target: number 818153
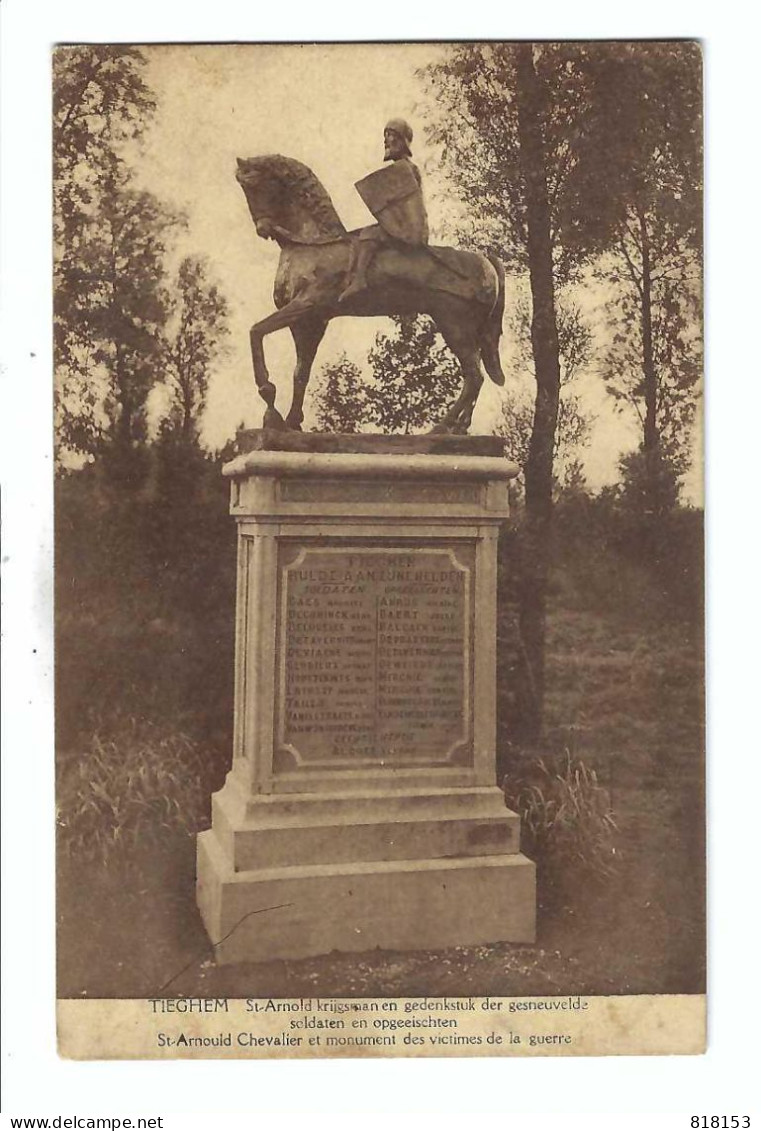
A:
(720, 1121)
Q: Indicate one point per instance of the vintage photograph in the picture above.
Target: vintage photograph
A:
(379, 524)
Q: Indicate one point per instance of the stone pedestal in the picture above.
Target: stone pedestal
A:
(361, 810)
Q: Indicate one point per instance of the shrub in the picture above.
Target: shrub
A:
(129, 788)
(567, 820)
(145, 606)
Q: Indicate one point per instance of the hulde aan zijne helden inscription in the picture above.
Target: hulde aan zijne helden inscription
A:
(375, 655)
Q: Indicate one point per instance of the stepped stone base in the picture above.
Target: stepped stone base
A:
(275, 831)
(423, 904)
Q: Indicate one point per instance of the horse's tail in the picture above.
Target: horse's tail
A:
(493, 328)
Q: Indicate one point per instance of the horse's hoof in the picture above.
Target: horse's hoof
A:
(273, 420)
(441, 429)
(293, 425)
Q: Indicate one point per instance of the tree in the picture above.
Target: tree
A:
(575, 351)
(538, 142)
(479, 92)
(650, 489)
(414, 376)
(653, 363)
(100, 100)
(110, 303)
(506, 118)
(193, 339)
(650, 102)
(339, 397)
(516, 423)
(112, 300)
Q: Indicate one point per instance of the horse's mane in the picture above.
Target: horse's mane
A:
(298, 182)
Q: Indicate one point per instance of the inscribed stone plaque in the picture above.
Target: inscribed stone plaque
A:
(339, 491)
(375, 655)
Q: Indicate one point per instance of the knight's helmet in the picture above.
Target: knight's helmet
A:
(399, 126)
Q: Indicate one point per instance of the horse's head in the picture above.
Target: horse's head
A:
(267, 203)
(284, 193)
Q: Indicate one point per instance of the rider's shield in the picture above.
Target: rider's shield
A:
(395, 199)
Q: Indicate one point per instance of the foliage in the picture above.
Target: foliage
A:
(646, 106)
(130, 786)
(575, 341)
(110, 241)
(575, 354)
(414, 376)
(516, 422)
(654, 537)
(649, 485)
(565, 156)
(612, 554)
(145, 598)
(622, 157)
(111, 306)
(504, 121)
(650, 106)
(339, 396)
(565, 813)
(100, 101)
(193, 340)
(475, 123)
(655, 367)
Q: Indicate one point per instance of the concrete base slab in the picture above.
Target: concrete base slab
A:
(424, 904)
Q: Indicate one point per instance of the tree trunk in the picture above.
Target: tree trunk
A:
(535, 554)
(650, 435)
(124, 401)
(187, 417)
(648, 364)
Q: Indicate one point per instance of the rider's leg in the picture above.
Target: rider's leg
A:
(363, 250)
(358, 280)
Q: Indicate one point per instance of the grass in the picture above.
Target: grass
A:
(129, 787)
(566, 816)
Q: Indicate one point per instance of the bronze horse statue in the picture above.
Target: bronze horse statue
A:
(462, 292)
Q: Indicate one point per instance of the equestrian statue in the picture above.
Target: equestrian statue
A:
(388, 268)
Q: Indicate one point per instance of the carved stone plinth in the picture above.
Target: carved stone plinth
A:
(361, 809)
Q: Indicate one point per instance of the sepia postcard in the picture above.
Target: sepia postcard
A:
(379, 549)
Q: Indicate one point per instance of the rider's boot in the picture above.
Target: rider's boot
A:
(358, 270)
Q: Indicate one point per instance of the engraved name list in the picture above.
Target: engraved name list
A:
(375, 655)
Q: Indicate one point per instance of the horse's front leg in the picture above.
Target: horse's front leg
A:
(288, 316)
(307, 335)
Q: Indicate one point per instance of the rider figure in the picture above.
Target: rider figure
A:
(405, 221)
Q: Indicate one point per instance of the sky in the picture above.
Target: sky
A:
(325, 105)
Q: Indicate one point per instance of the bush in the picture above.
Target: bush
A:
(145, 604)
(611, 559)
(130, 787)
(566, 817)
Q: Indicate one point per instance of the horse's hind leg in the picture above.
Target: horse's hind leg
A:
(460, 340)
(307, 335)
(473, 388)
